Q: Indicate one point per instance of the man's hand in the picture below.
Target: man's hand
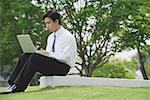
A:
(42, 52)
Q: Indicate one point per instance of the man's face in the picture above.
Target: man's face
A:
(50, 24)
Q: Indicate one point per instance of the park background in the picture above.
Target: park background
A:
(102, 28)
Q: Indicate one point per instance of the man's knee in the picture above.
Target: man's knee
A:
(34, 56)
(25, 54)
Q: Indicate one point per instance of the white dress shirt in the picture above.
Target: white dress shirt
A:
(65, 46)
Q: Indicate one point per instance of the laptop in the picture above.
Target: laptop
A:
(26, 43)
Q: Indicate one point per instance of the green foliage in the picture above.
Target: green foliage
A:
(18, 17)
(98, 41)
(137, 26)
(113, 24)
(147, 50)
(109, 70)
(117, 69)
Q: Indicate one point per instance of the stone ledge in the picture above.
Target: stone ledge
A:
(53, 81)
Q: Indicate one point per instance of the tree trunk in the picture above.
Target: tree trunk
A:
(142, 65)
(88, 71)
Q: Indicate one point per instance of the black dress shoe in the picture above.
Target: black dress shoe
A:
(12, 89)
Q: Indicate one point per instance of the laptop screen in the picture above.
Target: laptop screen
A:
(26, 43)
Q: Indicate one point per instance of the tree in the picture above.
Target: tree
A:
(101, 27)
(136, 31)
(18, 17)
(95, 24)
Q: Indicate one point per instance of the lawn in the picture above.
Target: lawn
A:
(80, 93)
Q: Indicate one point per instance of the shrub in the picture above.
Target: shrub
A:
(147, 67)
(117, 69)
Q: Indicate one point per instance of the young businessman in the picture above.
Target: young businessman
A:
(57, 59)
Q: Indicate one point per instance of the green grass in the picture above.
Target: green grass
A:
(80, 93)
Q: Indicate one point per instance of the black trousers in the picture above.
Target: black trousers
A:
(30, 63)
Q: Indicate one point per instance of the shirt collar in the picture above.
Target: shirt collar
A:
(59, 31)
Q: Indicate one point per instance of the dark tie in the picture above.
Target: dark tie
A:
(53, 46)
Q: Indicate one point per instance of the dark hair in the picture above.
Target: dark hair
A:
(53, 15)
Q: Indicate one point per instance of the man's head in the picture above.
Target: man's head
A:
(52, 21)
